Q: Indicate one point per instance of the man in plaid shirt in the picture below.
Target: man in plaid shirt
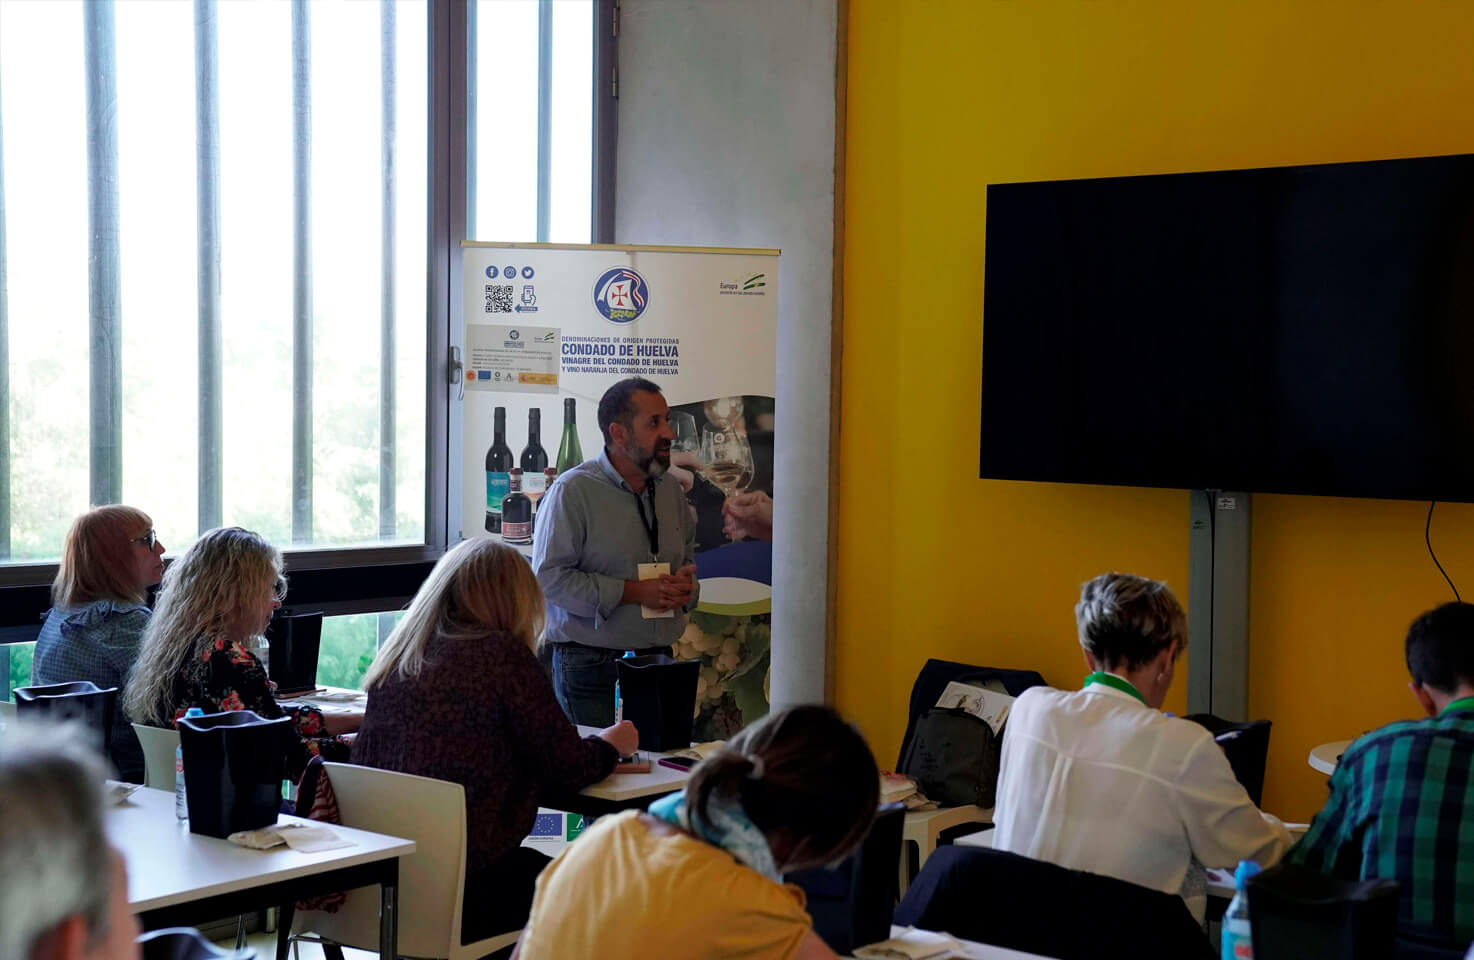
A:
(1402, 797)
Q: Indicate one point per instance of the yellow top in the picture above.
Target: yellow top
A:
(622, 892)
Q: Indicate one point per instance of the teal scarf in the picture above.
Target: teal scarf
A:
(730, 829)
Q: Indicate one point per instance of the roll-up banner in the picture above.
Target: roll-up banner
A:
(550, 327)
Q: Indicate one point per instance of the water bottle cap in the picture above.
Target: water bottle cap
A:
(1247, 869)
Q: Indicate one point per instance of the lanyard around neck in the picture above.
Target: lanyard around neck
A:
(652, 525)
(1115, 682)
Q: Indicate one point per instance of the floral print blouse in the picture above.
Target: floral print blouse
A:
(226, 676)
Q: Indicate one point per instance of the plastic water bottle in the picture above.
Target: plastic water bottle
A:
(181, 804)
(618, 703)
(1237, 944)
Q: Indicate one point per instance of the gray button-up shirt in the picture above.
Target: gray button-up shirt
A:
(590, 539)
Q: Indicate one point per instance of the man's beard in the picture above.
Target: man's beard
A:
(648, 461)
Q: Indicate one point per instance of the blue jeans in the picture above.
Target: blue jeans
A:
(583, 679)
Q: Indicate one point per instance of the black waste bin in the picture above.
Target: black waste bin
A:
(659, 697)
(234, 763)
(80, 700)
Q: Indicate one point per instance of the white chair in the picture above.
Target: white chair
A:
(159, 744)
(7, 710)
(432, 880)
(923, 827)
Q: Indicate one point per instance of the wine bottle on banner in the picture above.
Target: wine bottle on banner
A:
(534, 458)
(498, 463)
(570, 454)
(516, 512)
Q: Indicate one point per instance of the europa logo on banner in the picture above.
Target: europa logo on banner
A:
(621, 295)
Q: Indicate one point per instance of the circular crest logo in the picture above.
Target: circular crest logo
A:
(515, 335)
(621, 295)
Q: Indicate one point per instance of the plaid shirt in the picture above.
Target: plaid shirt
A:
(1402, 806)
(97, 642)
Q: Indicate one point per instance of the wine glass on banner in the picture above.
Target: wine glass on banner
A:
(728, 458)
(683, 425)
(726, 411)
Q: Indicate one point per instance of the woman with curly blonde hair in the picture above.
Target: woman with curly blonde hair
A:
(214, 600)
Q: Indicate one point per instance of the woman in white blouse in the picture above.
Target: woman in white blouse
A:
(1099, 779)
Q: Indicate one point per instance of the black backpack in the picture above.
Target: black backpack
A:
(953, 757)
(951, 754)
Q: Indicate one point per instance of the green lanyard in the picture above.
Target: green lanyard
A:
(1463, 703)
(1111, 680)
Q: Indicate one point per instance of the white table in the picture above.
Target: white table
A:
(982, 951)
(1325, 757)
(619, 790)
(180, 878)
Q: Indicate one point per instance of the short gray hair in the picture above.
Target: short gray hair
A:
(55, 860)
(1125, 620)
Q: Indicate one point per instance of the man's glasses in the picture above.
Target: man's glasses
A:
(148, 539)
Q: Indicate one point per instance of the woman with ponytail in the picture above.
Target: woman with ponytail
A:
(701, 873)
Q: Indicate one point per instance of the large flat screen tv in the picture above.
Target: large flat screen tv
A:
(1297, 330)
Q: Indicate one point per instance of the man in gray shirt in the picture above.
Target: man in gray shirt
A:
(595, 526)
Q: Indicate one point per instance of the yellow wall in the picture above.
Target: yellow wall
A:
(946, 96)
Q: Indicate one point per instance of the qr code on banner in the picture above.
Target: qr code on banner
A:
(498, 298)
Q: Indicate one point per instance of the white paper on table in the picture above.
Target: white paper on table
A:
(912, 944)
(303, 837)
(986, 705)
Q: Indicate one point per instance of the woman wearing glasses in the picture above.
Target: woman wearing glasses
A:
(215, 599)
(110, 558)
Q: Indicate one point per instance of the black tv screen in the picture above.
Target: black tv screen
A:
(1296, 330)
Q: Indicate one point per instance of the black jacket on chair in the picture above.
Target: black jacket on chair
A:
(1023, 904)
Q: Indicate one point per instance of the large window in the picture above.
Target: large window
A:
(214, 222)
(531, 118)
(217, 298)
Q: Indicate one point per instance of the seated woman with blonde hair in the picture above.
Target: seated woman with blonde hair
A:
(701, 874)
(93, 630)
(456, 693)
(215, 600)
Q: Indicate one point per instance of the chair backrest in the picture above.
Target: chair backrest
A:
(1012, 901)
(432, 881)
(1245, 744)
(852, 902)
(80, 700)
(936, 674)
(159, 744)
(7, 709)
(1298, 912)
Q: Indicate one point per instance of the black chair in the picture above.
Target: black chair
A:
(852, 903)
(1023, 904)
(1297, 912)
(1245, 744)
(80, 700)
(183, 943)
